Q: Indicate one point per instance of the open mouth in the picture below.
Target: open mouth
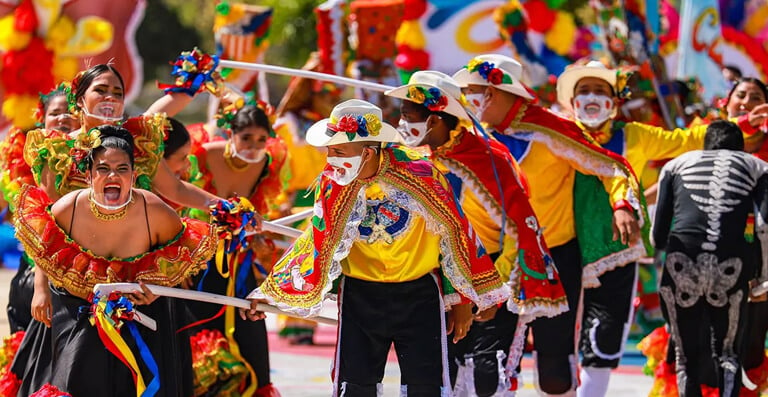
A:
(112, 193)
(592, 109)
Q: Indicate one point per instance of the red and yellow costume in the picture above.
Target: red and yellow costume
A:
(555, 156)
(300, 280)
(62, 153)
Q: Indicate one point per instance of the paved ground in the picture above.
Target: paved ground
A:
(304, 371)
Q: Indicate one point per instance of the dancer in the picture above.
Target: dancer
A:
(375, 207)
(489, 187)
(593, 92)
(709, 262)
(61, 240)
(304, 103)
(252, 163)
(585, 197)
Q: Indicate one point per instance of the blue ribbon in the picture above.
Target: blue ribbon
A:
(154, 386)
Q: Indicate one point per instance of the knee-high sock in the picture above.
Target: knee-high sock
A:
(594, 382)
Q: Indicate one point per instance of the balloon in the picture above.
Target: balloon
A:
(540, 16)
(412, 60)
(414, 9)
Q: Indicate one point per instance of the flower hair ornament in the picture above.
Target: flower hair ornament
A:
(226, 114)
(362, 125)
(194, 72)
(489, 72)
(83, 145)
(64, 88)
(431, 98)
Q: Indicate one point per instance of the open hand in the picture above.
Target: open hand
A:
(625, 226)
(459, 321)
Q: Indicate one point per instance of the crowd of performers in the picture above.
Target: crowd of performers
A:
(481, 221)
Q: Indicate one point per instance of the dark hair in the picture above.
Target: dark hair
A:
(450, 120)
(250, 116)
(748, 80)
(113, 137)
(734, 69)
(84, 79)
(45, 100)
(177, 137)
(723, 134)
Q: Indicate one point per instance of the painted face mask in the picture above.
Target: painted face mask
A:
(413, 133)
(477, 103)
(108, 112)
(593, 110)
(344, 170)
(258, 154)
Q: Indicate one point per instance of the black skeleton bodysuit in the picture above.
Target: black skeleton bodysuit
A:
(704, 200)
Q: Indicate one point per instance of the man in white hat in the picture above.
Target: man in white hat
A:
(592, 91)
(557, 160)
(387, 221)
(489, 188)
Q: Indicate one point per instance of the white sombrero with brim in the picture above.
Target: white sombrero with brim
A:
(473, 72)
(567, 81)
(428, 88)
(352, 121)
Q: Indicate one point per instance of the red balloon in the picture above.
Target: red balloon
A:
(540, 16)
(412, 60)
(414, 9)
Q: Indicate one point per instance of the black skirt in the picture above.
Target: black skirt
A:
(82, 365)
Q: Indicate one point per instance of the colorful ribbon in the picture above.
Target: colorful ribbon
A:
(194, 71)
(108, 316)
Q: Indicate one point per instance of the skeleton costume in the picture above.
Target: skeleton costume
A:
(709, 263)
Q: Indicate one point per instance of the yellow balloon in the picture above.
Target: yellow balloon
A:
(20, 109)
(561, 36)
(60, 33)
(65, 68)
(10, 38)
(410, 34)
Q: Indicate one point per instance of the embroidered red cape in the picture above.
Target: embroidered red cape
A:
(301, 278)
(75, 268)
(533, 294)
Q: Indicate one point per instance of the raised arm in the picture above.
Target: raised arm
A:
(178, 191)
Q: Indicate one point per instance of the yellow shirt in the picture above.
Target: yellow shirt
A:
(550, 179)
(394, 244)
(644, 143)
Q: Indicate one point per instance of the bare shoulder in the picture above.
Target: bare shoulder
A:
(63, 207)
(157, 209)
(215, 146)
(165, 222)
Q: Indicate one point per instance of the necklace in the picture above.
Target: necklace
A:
(228, 159)
(108, 217)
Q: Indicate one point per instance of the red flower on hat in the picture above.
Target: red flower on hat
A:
(495, 76)
(346, 124)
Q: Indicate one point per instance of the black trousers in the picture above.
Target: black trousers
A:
(487, 345)
(554, 338)
(706, 290)
(376, 315)
(606, 317)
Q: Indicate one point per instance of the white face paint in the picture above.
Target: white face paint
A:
(344, 170)
(477, 102)
(413, 133)
(593, 110)
(108, 112)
